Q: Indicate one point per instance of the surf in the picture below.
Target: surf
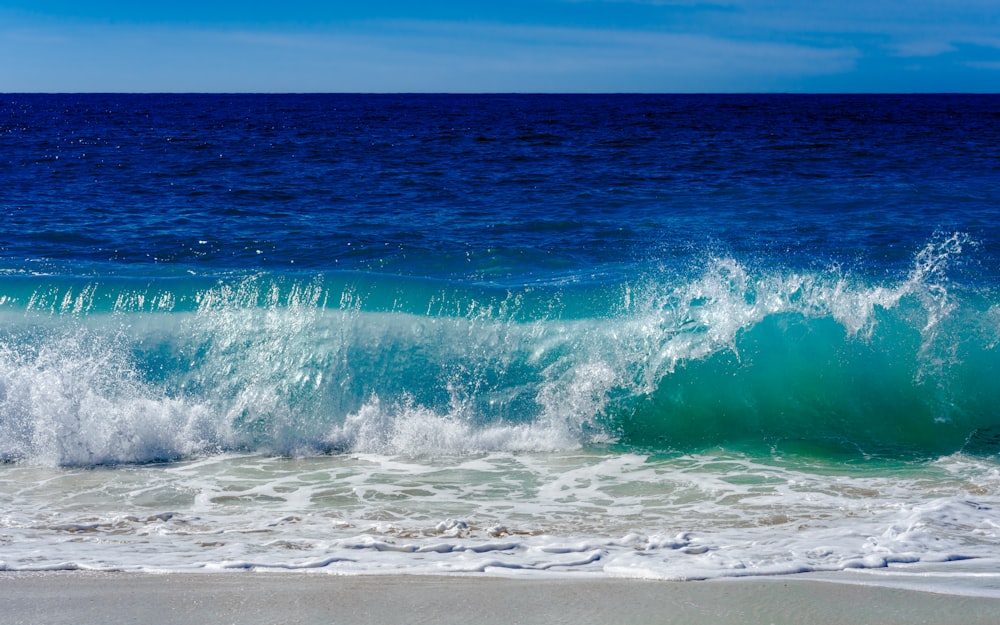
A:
(734, 354)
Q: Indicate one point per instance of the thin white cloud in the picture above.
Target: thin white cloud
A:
(585, 46)
(984, 42)
(922, 48)
(916, 29)
(411, 56)
(756, 46)
(667, 3)
(993, 65)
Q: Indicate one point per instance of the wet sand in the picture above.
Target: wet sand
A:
(111, 598)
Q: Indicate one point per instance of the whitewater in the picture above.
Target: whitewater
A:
(626, 336)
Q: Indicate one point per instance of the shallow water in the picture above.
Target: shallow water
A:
(646, 336)
(597, 512)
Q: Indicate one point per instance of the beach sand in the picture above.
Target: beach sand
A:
(250, 598)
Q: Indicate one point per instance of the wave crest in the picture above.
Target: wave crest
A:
(729, 355)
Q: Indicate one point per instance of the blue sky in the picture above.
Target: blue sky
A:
(500, 45)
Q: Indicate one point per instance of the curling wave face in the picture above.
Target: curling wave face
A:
(732, 354)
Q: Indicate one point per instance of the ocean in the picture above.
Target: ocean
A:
(653, 336)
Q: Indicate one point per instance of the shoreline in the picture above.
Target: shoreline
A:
(308, 598)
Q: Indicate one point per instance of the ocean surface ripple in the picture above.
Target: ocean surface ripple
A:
(676, 337)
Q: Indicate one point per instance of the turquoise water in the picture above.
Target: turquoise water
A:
(655, 336)
(731, 356)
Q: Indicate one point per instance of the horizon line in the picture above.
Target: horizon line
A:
(518, 93)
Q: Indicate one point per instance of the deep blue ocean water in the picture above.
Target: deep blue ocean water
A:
(326, 277)
(500, 191)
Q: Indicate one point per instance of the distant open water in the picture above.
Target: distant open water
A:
(675, 337)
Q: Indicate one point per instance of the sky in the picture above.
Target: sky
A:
(651, 46)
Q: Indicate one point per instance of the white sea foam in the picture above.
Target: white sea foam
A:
(412, 430)
(603, 514)
(75, 400)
